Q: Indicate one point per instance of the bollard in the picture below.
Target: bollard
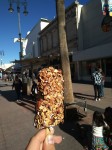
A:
(85, 108)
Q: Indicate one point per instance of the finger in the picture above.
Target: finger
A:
(40, 136)
(57, 139)
(49, 143)
(37, 140)
(50, 139)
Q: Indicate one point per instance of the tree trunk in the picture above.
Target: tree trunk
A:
(68, 90)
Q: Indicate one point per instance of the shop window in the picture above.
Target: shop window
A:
(109, 67)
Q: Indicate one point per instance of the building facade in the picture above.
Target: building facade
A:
(49, 42)
(94, 45)
(88, 46)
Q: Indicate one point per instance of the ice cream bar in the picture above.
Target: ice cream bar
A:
(50, 108)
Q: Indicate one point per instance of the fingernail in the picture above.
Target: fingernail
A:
(50, 139)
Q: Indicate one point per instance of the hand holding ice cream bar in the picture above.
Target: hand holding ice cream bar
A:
(50, 108)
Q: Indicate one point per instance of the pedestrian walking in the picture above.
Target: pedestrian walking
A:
(17, 84)
(102, 83)
(34, 90)
(5, 77)
(97, 78)
(97, 132)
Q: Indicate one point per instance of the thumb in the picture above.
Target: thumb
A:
(49, 143)
(49, 139)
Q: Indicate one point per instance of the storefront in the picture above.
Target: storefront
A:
(86, 68)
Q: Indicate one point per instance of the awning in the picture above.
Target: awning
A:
(31, 60)
(39, 60)
(102, 51)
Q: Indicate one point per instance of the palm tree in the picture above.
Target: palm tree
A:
(68, 90)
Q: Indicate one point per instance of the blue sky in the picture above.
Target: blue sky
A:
(9, 23)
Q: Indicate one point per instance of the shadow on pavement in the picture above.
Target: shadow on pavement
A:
(4, 85)
(84, 96)
(27, 105)
(71, 125)
(10, 95)
(26, 102)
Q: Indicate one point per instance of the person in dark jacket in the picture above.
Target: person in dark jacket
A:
(17, 85)
(34, 90)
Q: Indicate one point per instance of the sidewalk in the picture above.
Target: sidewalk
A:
(16, 124)
(86, 92)
(16, 121)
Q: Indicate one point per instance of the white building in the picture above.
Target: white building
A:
(32, 47)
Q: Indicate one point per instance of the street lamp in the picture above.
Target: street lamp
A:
(25, 12)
